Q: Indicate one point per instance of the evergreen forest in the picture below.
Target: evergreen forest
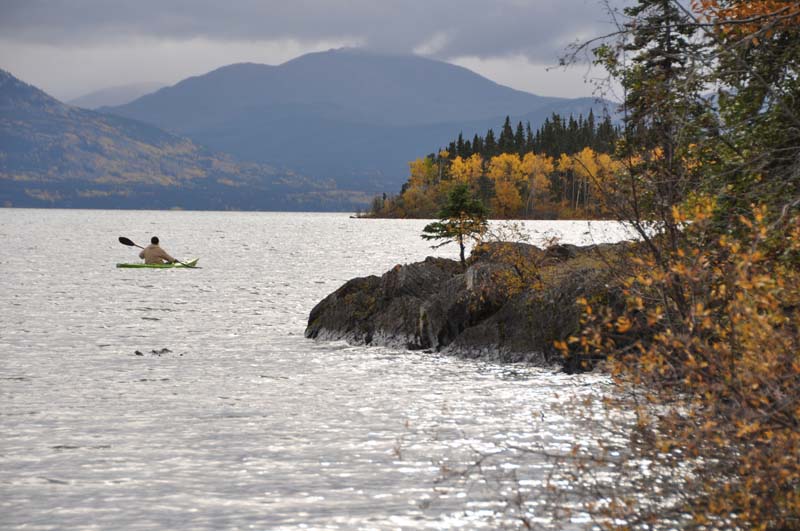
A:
(519, 173)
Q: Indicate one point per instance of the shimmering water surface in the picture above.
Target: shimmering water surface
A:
(243, 423)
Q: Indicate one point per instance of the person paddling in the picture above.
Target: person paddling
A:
(154, 254)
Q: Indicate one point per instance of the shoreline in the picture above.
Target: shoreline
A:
(511, 303)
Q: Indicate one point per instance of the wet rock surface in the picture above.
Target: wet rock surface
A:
(510, 303)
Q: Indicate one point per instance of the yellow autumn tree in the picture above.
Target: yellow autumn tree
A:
(585, 163)
(585, 169)
(442, 165)
(458, 170)
(608, 169)
(418, 197)
(506, 167)
(593, 171)
(564, 163)
(417, 202)
(467, 170)
(507, 202)
(538, 169)
(563, 171)
(423, 173)
(475, 165)
(509, 179)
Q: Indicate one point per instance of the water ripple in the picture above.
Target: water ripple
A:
(189, 399)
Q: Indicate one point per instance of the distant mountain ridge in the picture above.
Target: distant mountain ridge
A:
(349, 115)
(119, 95)
(349, 119)
(55, 155)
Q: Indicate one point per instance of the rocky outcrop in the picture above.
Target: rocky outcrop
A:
(510, 304)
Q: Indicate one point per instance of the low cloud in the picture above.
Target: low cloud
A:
(71, 47)
(539, 30)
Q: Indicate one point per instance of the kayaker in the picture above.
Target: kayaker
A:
(154, 254)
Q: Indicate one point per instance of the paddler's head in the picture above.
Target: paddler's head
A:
(154, 240)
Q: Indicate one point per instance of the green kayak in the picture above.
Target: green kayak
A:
(188, 264)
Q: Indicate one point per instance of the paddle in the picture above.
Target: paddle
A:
(125, 241)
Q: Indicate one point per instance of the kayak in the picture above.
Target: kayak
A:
(189, 264)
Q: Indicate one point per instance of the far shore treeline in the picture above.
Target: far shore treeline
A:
(548, 173)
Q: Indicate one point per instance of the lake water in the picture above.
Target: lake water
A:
(244, 423)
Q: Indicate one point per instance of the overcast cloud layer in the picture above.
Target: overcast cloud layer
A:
(44, 38)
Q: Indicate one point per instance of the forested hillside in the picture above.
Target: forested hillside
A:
(55, 155)
(518, 173)
(349, 115)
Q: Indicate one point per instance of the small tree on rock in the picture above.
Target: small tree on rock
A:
(463, 217)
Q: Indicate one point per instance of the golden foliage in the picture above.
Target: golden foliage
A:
(507, 200)
(538, 168)
(506, 167)
(515, 186)
(712, 339)
(422, 173)
(761, 17)
(417, 202)
(467, 170)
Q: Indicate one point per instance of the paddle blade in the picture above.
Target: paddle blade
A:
(125, 241)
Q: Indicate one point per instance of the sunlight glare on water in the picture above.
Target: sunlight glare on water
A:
(242, 423)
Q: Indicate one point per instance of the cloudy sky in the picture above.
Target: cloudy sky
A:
(72, 47)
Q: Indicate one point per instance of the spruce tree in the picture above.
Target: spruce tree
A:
(519, 140)
(477, 146)
(529, 139)
(606, 136)
(662, 76)
(662, 87)
(467, 149)
(451, 150)
(505, 143)
(462, 218)
(490, 148)
(459, 151)
(572, 136)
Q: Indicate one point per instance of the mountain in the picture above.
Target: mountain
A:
(55, 155)
(119, 95)
(346, 114)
